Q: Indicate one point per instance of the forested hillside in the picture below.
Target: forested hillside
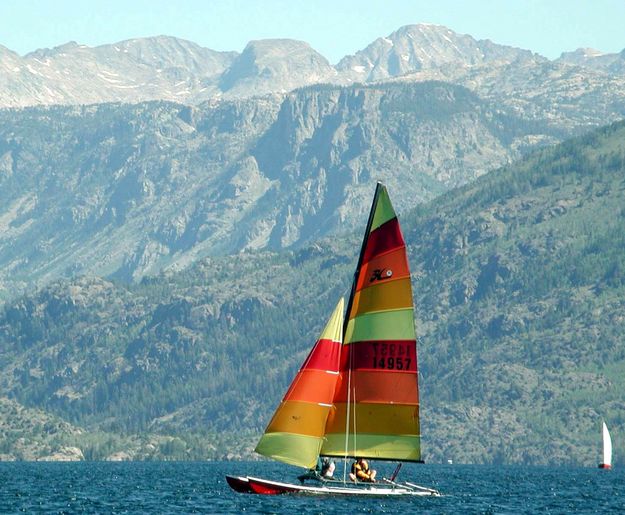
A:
(519, 286)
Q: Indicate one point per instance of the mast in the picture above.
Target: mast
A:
(352, 391)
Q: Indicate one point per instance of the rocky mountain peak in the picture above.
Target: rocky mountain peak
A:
(421, 47)
(265, 63)
(161, 52)
(580, 55)
(595, 60)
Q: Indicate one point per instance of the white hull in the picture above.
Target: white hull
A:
(267, 487)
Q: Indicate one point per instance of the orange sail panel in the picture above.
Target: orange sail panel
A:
(295, 433)
(376, 404)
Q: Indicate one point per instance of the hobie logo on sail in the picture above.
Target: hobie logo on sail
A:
(379, 274)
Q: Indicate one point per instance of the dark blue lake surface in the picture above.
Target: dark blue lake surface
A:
(192, 487)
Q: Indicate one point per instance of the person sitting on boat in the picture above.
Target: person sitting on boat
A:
(324, 469)
(362, 472)
(327, 468)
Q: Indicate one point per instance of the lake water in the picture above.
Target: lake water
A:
(192, 487)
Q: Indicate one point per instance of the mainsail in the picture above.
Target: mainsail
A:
(296, 431)
(376, 404)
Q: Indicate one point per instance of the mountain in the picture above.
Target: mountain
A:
(595, 60)
(125, 191)
(129, 71)
(166, 68)
(518, 282)
(424, 47)
(275, 65)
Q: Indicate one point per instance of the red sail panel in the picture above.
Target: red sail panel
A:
(313, 386)
(385, 267)
(324, 356)
(385, 238)
(381, 356)
(380, 387)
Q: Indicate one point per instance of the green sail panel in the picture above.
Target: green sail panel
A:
(378, 352)
(381, 325)
(387, 447)
(384, 210)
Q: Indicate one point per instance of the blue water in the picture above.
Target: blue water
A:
(201, 488)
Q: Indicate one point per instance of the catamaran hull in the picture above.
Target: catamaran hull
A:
(267, 487)
(605, 466)
(239, 484)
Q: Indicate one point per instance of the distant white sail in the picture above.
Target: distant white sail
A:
(607, 446)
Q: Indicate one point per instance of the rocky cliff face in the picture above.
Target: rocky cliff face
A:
(126, 191)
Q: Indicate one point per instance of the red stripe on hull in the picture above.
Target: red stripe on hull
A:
(605, 466)
(239, 484)
(260, 487)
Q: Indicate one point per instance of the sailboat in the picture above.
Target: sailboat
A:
(356, 394)
(607, 449)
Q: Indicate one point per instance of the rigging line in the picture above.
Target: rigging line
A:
(355, 432)
(349, 393)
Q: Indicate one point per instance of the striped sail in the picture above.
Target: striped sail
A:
(376, 404)
(295, 433)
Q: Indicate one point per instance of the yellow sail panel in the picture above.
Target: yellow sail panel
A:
(382, 419)
(334, 328)
(385, 325)
(294, 449)
(302, 418)
(383, 297)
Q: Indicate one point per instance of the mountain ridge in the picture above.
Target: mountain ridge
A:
(169, 68)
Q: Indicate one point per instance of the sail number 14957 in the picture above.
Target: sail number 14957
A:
(392, 356)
